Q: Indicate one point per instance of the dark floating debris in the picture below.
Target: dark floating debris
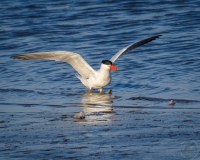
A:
(80, 115)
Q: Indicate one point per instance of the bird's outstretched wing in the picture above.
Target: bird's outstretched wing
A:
(133, 46)
(74, 59)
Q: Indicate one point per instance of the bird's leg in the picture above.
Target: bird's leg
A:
(90, 90)
(100, 90)
(109, 91)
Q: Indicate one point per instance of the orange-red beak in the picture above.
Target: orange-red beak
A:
(113, 67)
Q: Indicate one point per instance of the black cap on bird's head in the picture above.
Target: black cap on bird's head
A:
(107, 62)
(110, 64)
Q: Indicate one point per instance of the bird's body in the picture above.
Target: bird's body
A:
(92, 79)
(101, 78)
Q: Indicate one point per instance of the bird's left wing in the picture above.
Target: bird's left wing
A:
(74, 59)
(133, 46)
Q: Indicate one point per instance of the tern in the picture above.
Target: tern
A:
(92, 79)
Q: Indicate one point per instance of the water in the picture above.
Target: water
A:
(38, 94)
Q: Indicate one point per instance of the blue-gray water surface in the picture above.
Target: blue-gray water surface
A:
(147, 78)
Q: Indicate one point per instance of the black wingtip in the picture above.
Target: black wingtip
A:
(14, 57)
(158, 36)
(19, 56)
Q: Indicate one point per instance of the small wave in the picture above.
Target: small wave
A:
(16, 90)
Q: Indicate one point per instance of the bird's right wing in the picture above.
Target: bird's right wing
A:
(74, 59)
(133, 46)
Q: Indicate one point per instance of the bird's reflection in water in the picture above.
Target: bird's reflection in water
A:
(97, 106)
